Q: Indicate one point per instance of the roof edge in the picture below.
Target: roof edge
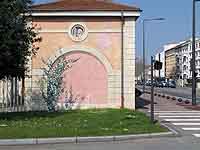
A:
(36, 7)
(61, 10)
(95, 13)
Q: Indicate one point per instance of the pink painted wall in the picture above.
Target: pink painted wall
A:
(109, 44)
(87, 78)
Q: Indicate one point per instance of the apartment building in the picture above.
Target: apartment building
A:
(178, 60)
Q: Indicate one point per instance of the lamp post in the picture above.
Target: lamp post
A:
(144, 21)
(193, 52)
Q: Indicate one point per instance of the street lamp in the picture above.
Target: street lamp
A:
(193, 52)
(146, 20)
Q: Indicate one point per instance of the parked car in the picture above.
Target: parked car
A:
(165, 84)
(159, 84)
(137, 92)
(139, 83)
(172, 84)
(148, 83)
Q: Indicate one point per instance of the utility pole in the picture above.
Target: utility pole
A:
(159, 70)
(144, 54)
(193, 52)
(152, 91)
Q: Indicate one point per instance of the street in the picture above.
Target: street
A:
(176, 143)
(179, 92)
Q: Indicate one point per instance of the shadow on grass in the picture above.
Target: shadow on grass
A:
(28, 115)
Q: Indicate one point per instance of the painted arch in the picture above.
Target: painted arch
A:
(88, 77)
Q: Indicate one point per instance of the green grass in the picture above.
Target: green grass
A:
(94, 122)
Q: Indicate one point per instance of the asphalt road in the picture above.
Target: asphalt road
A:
(172, 143)
(179, 92)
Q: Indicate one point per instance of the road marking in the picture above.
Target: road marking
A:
(175, 111)
(189, 113)
(196, 135)
(186, 124)
(191, 129)
(179, 116)
(177, 120)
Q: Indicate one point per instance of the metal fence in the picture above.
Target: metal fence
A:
(11, 95)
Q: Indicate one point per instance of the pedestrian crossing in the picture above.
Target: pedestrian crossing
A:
(196, 135)
(186, 121)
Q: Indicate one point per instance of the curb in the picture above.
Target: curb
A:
(75, 140)
(172, 130)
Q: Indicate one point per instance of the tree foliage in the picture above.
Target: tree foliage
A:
(17, 37)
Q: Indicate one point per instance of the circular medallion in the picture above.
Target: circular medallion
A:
(78, 32)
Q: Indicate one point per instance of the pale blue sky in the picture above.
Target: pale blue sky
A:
(176, 27)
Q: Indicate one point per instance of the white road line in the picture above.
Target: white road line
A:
(177, 120)
(179, 116)
(177, 113)
(186, 124)
(196, 135)
(191, 129)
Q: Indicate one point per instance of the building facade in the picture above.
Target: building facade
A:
(165, 56)
(95, 43)
(178, 60)
(170, 63)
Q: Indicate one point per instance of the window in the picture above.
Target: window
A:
(184, 59)
(184, 68)
(78, 32)
(177, 60)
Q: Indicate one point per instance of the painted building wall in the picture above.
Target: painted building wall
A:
(104, 35)
(101, 50)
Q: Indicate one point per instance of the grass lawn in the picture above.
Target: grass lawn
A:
(93, 122)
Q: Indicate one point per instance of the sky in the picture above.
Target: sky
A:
(176, 27)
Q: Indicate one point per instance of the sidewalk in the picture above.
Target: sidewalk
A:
(161, 104)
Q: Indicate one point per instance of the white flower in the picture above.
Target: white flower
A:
(3, 125)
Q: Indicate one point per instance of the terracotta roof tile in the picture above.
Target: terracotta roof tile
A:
(81, 5)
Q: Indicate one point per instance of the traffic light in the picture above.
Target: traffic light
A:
(158, 65)
(195, 74)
